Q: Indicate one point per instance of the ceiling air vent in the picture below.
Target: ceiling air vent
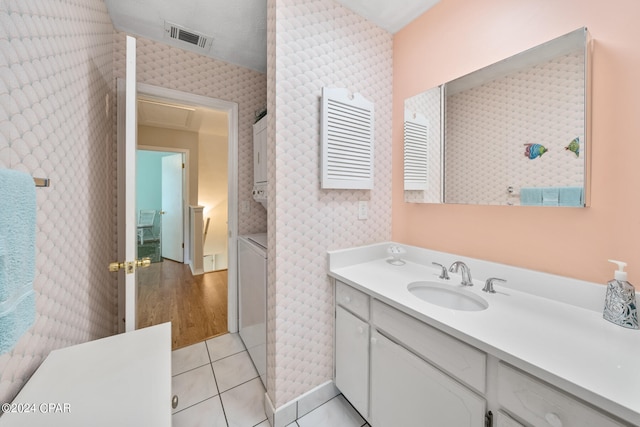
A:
(181, 34)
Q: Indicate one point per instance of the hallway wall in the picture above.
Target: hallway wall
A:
(57, 81)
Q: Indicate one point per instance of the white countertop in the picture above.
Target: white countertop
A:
(122, 380)
(569, 346)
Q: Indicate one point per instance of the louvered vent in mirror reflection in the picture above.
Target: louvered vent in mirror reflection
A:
(347, 140)
(416, 135)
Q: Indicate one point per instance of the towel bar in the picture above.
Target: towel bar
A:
(42, 182)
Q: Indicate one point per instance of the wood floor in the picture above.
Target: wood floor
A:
(195, 305)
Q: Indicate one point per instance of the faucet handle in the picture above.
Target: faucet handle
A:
(443, 275)
(488, 284)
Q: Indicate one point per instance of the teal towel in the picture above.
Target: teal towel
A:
(570, 196)
(531, 196)
(17, 256)
(550, 196)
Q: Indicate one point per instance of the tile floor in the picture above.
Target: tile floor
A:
(218, 386)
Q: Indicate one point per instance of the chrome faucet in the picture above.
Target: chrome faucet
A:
(466, 272)
(443, 275)
(488, 285)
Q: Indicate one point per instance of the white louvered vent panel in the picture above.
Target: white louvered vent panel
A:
(347, 140)
(416, 136)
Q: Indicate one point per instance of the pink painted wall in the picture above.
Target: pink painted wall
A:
(459, 36)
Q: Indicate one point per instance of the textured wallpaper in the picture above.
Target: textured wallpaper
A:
(487, 128)
(169, 67)
(55, 83)
(312, 44)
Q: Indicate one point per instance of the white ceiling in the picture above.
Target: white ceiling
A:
(392, 15)
(172, 115)
(239, 27)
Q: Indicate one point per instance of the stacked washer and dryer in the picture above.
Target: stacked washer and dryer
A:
(252, 265)
(252, 296)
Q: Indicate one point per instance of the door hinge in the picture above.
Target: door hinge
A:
(182, 165)
(183, 246)
(488, 419)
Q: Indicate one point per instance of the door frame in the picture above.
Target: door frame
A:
(186, 238)
(231, 108)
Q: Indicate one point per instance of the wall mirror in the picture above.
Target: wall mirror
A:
(513, 133)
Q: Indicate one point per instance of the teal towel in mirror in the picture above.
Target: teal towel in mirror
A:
(550, 196)
(570, 196)
(17, 256)
(531, 196)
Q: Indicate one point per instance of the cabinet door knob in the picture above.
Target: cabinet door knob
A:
(347, 299)
(553, 419)
(374, 340)
(360, 330)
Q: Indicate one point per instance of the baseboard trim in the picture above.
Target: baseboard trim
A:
(301, 406)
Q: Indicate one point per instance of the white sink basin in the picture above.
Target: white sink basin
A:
(447, 296)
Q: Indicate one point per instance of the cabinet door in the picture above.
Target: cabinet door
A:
(260, 152)
(352, 359)
(407, 391)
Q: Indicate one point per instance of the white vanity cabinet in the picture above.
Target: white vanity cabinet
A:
(387, 382)
(408, 391)
(541, 358)
(397, 370)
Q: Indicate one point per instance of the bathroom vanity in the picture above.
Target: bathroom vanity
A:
(535, 353)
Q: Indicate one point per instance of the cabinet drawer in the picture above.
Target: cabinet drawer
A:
(352, 299)
(503, 420)
(457, 358)
(540, 404)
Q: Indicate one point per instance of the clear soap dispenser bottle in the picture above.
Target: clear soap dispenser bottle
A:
(620, 302)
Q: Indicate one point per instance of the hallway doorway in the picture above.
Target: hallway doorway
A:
(160, 205)
(226, 301)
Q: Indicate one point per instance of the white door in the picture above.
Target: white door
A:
(172, 208)
(352, 359)
(127, 141)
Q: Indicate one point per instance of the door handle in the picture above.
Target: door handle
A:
(130, 266)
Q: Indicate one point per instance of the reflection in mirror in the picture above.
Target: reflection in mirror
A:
(515, 132)
(423, 147)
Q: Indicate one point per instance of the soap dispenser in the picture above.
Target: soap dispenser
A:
(620, 302)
